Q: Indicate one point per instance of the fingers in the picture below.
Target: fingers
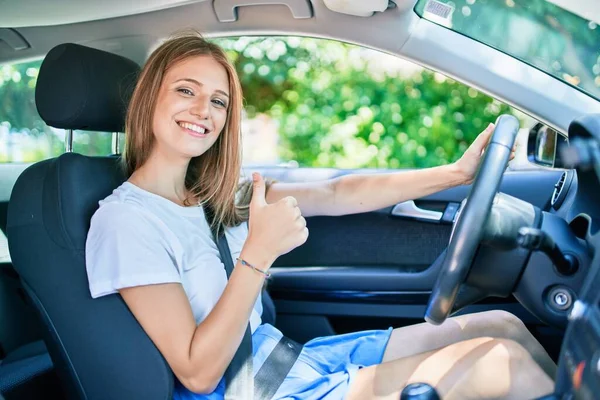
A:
(275, 228)
(291, 201)
(513, 152)
(486, 134)
(297, 213)
(482, 140)
(302, 222)
(258, 191)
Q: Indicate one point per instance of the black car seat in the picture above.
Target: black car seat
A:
(27, 372)
(98, 348)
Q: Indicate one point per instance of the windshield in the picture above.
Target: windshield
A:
(538, 32)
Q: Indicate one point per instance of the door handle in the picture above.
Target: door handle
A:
(409, 209)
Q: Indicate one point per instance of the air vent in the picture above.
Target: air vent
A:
(560, 190)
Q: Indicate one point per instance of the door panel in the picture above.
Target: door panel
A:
(376, 270)
(373, 240)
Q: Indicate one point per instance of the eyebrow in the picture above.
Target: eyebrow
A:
(195, 82)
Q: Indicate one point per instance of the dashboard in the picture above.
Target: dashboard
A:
(576, 199)
(579, 365)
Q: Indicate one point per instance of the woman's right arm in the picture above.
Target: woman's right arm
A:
(200, 354)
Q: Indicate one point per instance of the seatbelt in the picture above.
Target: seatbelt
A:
(275, 368)
(239, 381)
(239, 376)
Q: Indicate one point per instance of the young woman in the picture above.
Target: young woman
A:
(150, 242)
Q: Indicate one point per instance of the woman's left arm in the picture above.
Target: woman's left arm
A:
(358, 193)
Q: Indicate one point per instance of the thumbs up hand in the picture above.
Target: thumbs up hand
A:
(276, 228)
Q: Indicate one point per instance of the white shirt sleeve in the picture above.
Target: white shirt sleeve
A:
(127, 246)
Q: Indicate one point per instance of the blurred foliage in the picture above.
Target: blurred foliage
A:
(336, 105)
(24, 136)
(343, 106)
(17, 100)
(339, 105)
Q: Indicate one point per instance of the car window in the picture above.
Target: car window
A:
(555, 39)
(321, 103)
(308, 102)
(24, 137)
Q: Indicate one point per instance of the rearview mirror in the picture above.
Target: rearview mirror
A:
(545, 146)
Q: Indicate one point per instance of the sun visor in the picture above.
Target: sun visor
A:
(360, 8)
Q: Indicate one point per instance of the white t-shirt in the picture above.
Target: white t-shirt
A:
(139, 238)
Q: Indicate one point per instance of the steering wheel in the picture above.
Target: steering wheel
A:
(468, 228)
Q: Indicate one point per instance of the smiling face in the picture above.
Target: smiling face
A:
(191, 108)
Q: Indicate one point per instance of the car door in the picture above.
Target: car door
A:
(377, 269)
(375, 113)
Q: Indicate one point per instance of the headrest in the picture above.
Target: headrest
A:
(83, 88)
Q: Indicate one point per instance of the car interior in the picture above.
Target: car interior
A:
(522, 241)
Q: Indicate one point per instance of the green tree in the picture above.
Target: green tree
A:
(17, 99)
(336, 107)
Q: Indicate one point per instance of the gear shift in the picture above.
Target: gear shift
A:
(419, 391)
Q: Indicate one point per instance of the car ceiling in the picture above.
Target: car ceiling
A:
(25, 13)
(145, 28)
(132, 29)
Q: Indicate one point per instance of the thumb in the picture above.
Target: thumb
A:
(258, 190)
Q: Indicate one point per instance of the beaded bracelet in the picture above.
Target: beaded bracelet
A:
(244, 262)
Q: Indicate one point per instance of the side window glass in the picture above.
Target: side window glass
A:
(322, 103)
(92, 143)
(24, 137)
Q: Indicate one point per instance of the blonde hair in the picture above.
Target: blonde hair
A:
(214, 176)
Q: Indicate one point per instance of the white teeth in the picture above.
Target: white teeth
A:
(192, 127)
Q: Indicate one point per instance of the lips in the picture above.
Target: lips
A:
(193, 129)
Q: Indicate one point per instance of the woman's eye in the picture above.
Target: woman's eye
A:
(220, 103)
(186, 91)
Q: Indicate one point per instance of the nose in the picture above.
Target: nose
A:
(200, 107)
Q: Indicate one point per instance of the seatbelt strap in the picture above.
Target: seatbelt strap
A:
(239, 379)
(275, 368)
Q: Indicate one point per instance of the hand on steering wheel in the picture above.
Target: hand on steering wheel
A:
(468, 228)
